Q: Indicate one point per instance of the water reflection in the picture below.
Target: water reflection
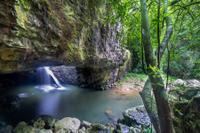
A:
(49, 104)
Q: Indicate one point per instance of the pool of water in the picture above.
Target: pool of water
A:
(84, 104)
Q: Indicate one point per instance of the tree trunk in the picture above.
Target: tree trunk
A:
(150, 105)
(163, 109)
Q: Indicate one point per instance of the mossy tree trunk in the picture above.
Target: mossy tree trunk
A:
(157, 83)
(150, 105)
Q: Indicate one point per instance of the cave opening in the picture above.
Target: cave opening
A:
(54, 91)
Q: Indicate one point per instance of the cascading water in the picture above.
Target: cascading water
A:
(48, 80)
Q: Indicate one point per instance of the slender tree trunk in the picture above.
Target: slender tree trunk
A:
(163, 109)
(142, 56)
(150, 105)
(158, 33)
(164, 112)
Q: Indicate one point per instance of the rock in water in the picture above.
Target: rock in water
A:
(136, 116)
(86, 124)
(44, 131)
(97, 127)
(68, 123)
(39, 123)
(44, 121)
(23, 127)
(124, 128)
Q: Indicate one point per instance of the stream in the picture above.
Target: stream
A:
(85, 104)
(50, 97)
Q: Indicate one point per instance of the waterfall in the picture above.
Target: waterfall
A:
(51, 74)
(48, 80)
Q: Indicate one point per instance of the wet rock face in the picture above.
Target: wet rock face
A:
(95, 76)
(66, 74)
(36, 33)
(48, 32)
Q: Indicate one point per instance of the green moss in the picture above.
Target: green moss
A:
(21, 16)
(69, 13)
(54, 19)
(81, 53)
(75, 53)
(24, 29)
(98, 127)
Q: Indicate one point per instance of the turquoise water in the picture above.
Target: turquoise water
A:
(84, 104)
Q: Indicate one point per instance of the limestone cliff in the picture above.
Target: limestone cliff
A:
(70, 32)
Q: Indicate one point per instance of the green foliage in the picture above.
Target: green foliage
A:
(139, 76)
(184, 63)
(126, 12)
(185, 42)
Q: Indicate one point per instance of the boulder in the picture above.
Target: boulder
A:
(190, 84)
(44, 121)
(82, 130)
(136, 116)
(86, 124)
(187, 116)
(68, 123)
(179, 82)
(43, 131)
(39, 123)
(184, 89)
(98, 127)
(63, 131)
(23, 127)
(193, 83)
(123, 128)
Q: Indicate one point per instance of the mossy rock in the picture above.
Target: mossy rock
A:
(187, 116)
(97, 127)
(23, 127)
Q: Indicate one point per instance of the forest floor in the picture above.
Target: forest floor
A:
(131, 84)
